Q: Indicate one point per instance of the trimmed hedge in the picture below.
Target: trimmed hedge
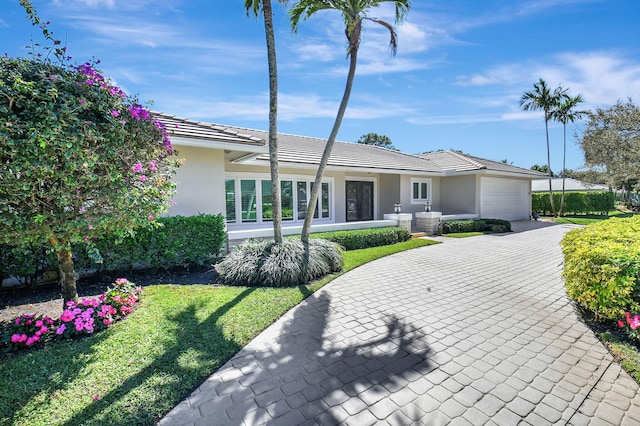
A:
(602, 267)
(575, 202)
(476, 225)
(365, 238)
(179, 241)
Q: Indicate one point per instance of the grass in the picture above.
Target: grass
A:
(623, 352)
(143, 366)
(587, 219)
(465, 234)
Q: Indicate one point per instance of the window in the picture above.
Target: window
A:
(267, 201)
(302, 200)
(286, 199)
(250, 200)
(420, 191)
(230, 197)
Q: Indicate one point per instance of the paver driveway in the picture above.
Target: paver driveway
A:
(473, 331)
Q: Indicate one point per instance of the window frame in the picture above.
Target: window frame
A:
(258, 179)
(422, 198)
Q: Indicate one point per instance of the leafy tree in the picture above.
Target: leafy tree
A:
(267, 12)
(354, 13)
(564, 113)
(377, 140)
(542, 98)
(79, 158)
(543, 169)
(611, 144)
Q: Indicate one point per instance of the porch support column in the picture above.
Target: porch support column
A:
(428, 222)
(403, 220)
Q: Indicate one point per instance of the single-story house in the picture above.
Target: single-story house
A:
(227, 172)
(542, 185)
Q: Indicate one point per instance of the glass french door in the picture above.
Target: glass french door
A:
(359, 200)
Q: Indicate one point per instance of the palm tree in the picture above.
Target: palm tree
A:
(565, 113)
(541, 98)
(267, 12)
(353, 12)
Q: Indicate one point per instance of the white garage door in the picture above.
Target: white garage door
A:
(507, 199)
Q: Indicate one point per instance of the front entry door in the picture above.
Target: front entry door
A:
(359, 200)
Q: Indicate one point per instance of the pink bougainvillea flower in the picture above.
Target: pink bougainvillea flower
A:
(15, 338)
(82, 101)
(82, 209)
(150, 217)
(115, 113)
(96, 397)
(120, 281)
(137, 167)
(143, 178)
(152, 165)
(620, 323)
(61, 329)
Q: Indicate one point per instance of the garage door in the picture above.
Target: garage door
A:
(507, 199)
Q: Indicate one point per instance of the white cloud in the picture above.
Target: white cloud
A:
(601, 77)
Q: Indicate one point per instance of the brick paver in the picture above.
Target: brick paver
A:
(473, 331)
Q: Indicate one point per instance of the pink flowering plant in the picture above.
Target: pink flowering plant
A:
(26, 331)
(631, 325)
(81, 157)
(81, 318)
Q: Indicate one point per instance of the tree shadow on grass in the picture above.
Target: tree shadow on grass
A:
(312, 369)
(33, 378)
(170, 373)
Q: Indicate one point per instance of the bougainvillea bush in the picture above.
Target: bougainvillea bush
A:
(80, 157)
(81, 318)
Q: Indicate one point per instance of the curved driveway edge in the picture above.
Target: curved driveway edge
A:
(474, 331)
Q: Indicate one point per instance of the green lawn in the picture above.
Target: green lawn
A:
(465, 234)
(143, 366)
(587, 219)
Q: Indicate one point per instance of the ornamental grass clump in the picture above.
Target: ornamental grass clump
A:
(265, 263)
(81, 318)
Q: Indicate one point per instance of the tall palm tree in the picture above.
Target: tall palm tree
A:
(542, 98)
(255, 6)
(565, 113)
(354, 13)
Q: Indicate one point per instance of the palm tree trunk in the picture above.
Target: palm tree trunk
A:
(66, 272)
(273, 121)
(564, 167)
(546, 128)
(306, 227)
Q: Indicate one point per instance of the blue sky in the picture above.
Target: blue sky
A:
(456, 81)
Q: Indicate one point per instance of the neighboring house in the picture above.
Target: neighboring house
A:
(542, 185)
(227, 171)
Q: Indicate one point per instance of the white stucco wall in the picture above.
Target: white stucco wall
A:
(458, 194)
(200, 182)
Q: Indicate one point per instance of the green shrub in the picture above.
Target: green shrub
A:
(267, 264)
(575, 202)
(178, 242)
(365, 238)
(602, 266)
(476, 225)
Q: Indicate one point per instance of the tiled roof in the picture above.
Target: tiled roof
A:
(450, 160)
(307, 150)
(303, 150)
(182, 127)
